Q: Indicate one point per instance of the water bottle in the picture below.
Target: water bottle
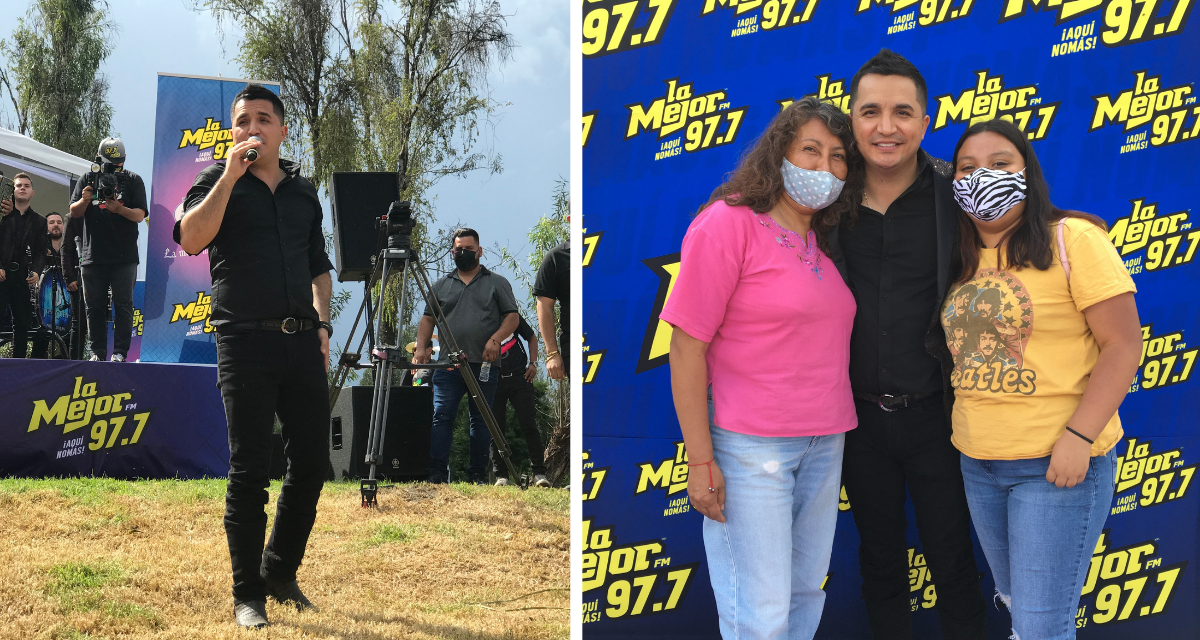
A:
(485, 371)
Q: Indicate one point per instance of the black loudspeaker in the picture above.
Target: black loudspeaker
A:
(408, 428)
(358, 200)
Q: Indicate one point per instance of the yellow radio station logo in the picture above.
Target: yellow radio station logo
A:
(835, 92)
(990, 99)
(1126, 583)
(589, 119)
(768, 15)
(609, 25)
(905, 12)
(137, 320)
(1167, 238)
(634, 579)
(1158, 477)
(210, 136)
(591, 241)
(1124, 22)
(920, 582)
(1166, 360)
(593, 478)
(195, 312)
(656, 345)
(108, 417)
(705, 119)
(1171, 112)
(670, 475)
(591, 362)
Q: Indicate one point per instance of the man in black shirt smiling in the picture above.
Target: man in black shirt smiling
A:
(898, 255)
(261, 224)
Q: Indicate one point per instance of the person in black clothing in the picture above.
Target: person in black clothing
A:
(517, 371)
(261, 224)
(22, 254)
(897, 250)
(109, 258)
(553, 282)
(59, 254)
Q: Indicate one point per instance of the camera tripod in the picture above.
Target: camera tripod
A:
(396, 255)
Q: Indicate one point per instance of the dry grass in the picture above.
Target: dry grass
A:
(97, 558)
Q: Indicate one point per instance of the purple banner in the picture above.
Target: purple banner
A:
(191, 132)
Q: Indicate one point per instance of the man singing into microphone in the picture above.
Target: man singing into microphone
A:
(261, 224)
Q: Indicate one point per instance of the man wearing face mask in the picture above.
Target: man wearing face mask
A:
(898, 251)
(481, 311)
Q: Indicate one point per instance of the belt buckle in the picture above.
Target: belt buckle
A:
(292, 322)
(885, 407)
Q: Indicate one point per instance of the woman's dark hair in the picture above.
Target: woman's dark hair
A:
(757, 182)
(1029, 241)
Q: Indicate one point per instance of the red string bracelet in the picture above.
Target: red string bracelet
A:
(709, 465)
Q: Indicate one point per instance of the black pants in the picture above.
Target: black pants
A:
(97, 280)
(14, 294)
(888, 451)
(520, 392)
(263, 374)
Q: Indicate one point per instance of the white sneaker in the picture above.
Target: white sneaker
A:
(541, 481)
(94, 358)
(118, 357)
(501, 482)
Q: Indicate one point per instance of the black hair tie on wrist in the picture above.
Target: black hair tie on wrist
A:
(1087, 439)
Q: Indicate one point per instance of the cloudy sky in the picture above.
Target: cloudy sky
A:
(530, 134)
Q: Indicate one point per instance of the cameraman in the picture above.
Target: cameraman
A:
(22, 252)
(109, 258)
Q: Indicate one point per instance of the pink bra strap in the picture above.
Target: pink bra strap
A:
(1062, 250)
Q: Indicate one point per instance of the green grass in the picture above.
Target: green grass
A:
(400, 533)
(76, 585)
(558, 500)
(96, 491)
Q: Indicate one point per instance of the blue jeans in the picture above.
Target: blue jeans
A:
(448, 390)
(1038, 538)
(769, 558)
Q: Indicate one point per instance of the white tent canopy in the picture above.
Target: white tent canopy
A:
(45, 161)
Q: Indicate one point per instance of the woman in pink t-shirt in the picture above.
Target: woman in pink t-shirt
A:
(760, 357)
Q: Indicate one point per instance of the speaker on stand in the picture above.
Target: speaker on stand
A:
(358, 199)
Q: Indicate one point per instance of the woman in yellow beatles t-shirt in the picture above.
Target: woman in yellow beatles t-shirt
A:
(1046, 341)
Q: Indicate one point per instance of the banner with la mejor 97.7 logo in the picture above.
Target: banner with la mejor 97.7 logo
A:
(675, 90)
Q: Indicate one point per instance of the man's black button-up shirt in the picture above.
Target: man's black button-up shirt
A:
(891, 258)
(268, 250)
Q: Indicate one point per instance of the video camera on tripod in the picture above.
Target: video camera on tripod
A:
(375, 258)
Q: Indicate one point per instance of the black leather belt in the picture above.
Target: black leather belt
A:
(889, 402)
(287, 325)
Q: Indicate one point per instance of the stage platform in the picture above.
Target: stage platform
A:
(63, 418)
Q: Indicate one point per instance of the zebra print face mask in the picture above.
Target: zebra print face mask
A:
(986, 194)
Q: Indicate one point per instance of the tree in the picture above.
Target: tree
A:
(549, 231)
(379, 86)
(52, 77)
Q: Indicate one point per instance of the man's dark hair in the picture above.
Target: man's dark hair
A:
(463, 232)
(890, 63)
(55, 213)
(257, 92)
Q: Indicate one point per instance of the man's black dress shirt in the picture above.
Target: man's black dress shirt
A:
(19, 232)
(268, 250)
(892, 264)
(111, 238)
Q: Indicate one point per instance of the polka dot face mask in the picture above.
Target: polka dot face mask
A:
(812, 189)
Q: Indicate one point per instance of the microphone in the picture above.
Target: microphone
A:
(252, 154)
